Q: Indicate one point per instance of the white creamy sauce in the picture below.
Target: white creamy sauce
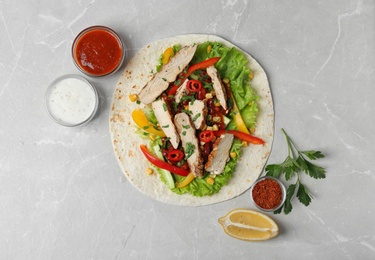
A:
(71, 101)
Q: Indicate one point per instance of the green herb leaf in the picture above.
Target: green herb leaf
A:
(303, 195)
(274, 170)
(289, 195)
(315, 171)
(289, 167)
(293, 165)
(313, 155)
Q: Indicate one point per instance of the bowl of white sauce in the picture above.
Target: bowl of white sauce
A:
(71, 100)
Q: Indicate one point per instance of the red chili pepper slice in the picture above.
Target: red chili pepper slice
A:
(206, 136)
(161, 164)
(175, 155)
(194, 85)
(243, 136)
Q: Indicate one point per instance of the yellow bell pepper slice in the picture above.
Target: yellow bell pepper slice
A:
(237, 116)
(168, 53)
(186, 181)
(141, 120)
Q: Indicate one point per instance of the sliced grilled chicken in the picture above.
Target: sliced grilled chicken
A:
(190, 143)
(199, 112)
(181, 91)
(219, 154)
(164, 117)
(166, 75)
(218, 86)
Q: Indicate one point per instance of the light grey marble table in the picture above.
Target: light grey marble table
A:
(62, 193)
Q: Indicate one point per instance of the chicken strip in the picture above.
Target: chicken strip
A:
(219, 155)
(190, 143)
(166, 75)
(164, 117)
(218, 86)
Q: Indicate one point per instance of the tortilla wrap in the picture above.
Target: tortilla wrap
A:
(126, 142)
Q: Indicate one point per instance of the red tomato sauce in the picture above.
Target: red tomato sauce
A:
(98, 52)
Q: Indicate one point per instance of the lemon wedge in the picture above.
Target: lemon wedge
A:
(249, 225)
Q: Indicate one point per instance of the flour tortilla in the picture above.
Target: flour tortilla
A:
(126, 142)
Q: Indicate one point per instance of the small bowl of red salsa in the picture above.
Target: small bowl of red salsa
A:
(98, 51)
(268, 194)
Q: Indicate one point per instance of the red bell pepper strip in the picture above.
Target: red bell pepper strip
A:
(201, 65)
(173, 90)
(198, 66)
(244, 137)
(161, 164)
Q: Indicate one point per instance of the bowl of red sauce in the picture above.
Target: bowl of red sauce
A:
(98, 51)
(268, 193)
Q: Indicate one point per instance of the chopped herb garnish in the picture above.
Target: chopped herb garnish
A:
(186, 126)
(187, 111)
(138, 102)
(196, 117)
(191, 98)
(165, 126)
(177, 82)
(146, 127)
(189, 149)
(164, 79)
(183, 133)
(164, 107)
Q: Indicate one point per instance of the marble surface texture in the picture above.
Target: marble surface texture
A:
(62, 193)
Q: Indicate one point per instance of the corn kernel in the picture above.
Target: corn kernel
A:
(187, 107)
(215, 127)
(217, 104)
(244, 143)
(252, 130)
(251, 75)
(233, 155)
(209, 95)
(216, 119)
(133, 97)
(250, 103)
(226, 81)
(152, 137)
(209, 47)
(209, 128)
(149, 171)
(210, 180)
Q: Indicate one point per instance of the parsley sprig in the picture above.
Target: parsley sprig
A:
(295, 163)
